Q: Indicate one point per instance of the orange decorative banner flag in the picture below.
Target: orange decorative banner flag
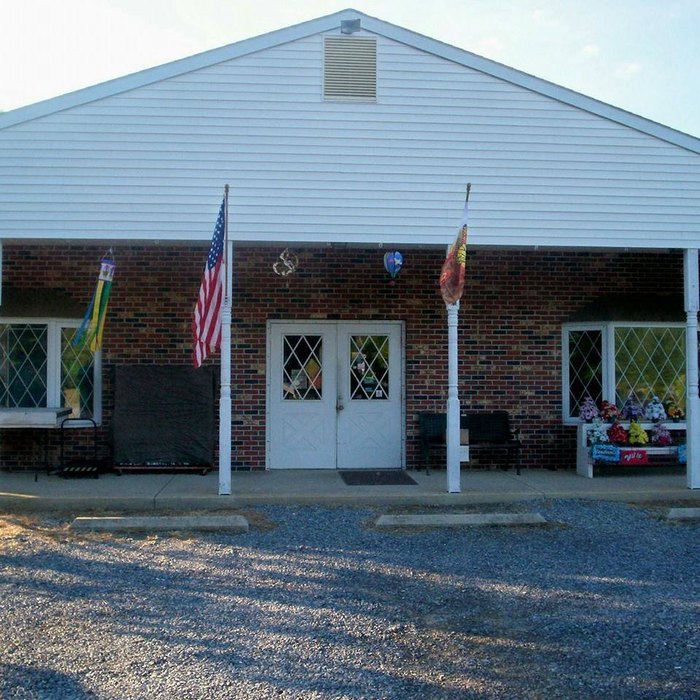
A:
(454, 268)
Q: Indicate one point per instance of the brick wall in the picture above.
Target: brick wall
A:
(510, 323)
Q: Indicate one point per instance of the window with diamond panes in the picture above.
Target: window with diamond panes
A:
(650, 361)
(39, 368)
(302, 366)
(23, 365)
(585, 368)
(369, 367)
(77, 376)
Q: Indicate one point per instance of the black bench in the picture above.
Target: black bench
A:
(487, 431)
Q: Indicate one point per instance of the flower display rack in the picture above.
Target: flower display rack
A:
(584, 451)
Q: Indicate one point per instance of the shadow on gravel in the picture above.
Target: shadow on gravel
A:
(34, 683)
(322, 607)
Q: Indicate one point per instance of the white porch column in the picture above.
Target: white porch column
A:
(453, 463)
(692, 302)
(225, 402)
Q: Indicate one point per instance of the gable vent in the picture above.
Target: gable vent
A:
(350, 68)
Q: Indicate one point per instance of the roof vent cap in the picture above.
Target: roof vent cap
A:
(349, 26)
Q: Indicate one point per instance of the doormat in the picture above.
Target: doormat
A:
(370, 477)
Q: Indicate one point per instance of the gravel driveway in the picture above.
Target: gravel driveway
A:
(316, 603)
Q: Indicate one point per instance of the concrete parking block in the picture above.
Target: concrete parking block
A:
(460, 519)
(229, 523)
(683, 514)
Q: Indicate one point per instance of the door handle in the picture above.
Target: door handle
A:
(339, 406)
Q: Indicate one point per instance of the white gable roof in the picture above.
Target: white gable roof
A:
(370, 24)
(137, 158)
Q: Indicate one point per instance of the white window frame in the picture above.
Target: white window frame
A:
(53, 364)
(607, 330)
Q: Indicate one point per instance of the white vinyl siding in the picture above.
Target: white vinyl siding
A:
(150, 163)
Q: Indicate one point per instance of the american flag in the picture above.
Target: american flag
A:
(206, 323)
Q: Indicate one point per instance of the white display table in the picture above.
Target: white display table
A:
(584, 462)
(33, 417)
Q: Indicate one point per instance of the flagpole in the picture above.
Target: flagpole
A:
(225, 396)
(453, 404)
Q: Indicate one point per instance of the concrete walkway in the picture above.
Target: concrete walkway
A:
(187, 492)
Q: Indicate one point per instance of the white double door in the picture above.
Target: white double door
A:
(335, 395)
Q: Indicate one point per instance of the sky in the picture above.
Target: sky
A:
(640, 55)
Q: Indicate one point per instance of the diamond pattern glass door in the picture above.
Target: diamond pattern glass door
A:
(369, 367)
(585, 368)
(650, 361)
(77, 386)
(302, 368)
(335, 398)
(23, 365)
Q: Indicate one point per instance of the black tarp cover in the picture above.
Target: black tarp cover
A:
(163, 415)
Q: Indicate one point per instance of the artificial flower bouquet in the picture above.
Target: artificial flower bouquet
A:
(598, 434)
(673, 411)
(632, 408)
(660, 436)
(588, 410)
(655, 410)
(617, 434)
(637, 435)
(609, 412)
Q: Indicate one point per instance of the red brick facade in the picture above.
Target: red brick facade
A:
(510, 323)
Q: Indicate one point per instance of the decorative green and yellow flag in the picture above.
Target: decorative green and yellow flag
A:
(92, 327)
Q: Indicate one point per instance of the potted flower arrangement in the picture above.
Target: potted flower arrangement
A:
(655, 410)
(588, 410)
(632, 409)
(660, 435)
(609, 412)
(637, 434)
(598, 434)
(617, 434)
(673, 411)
